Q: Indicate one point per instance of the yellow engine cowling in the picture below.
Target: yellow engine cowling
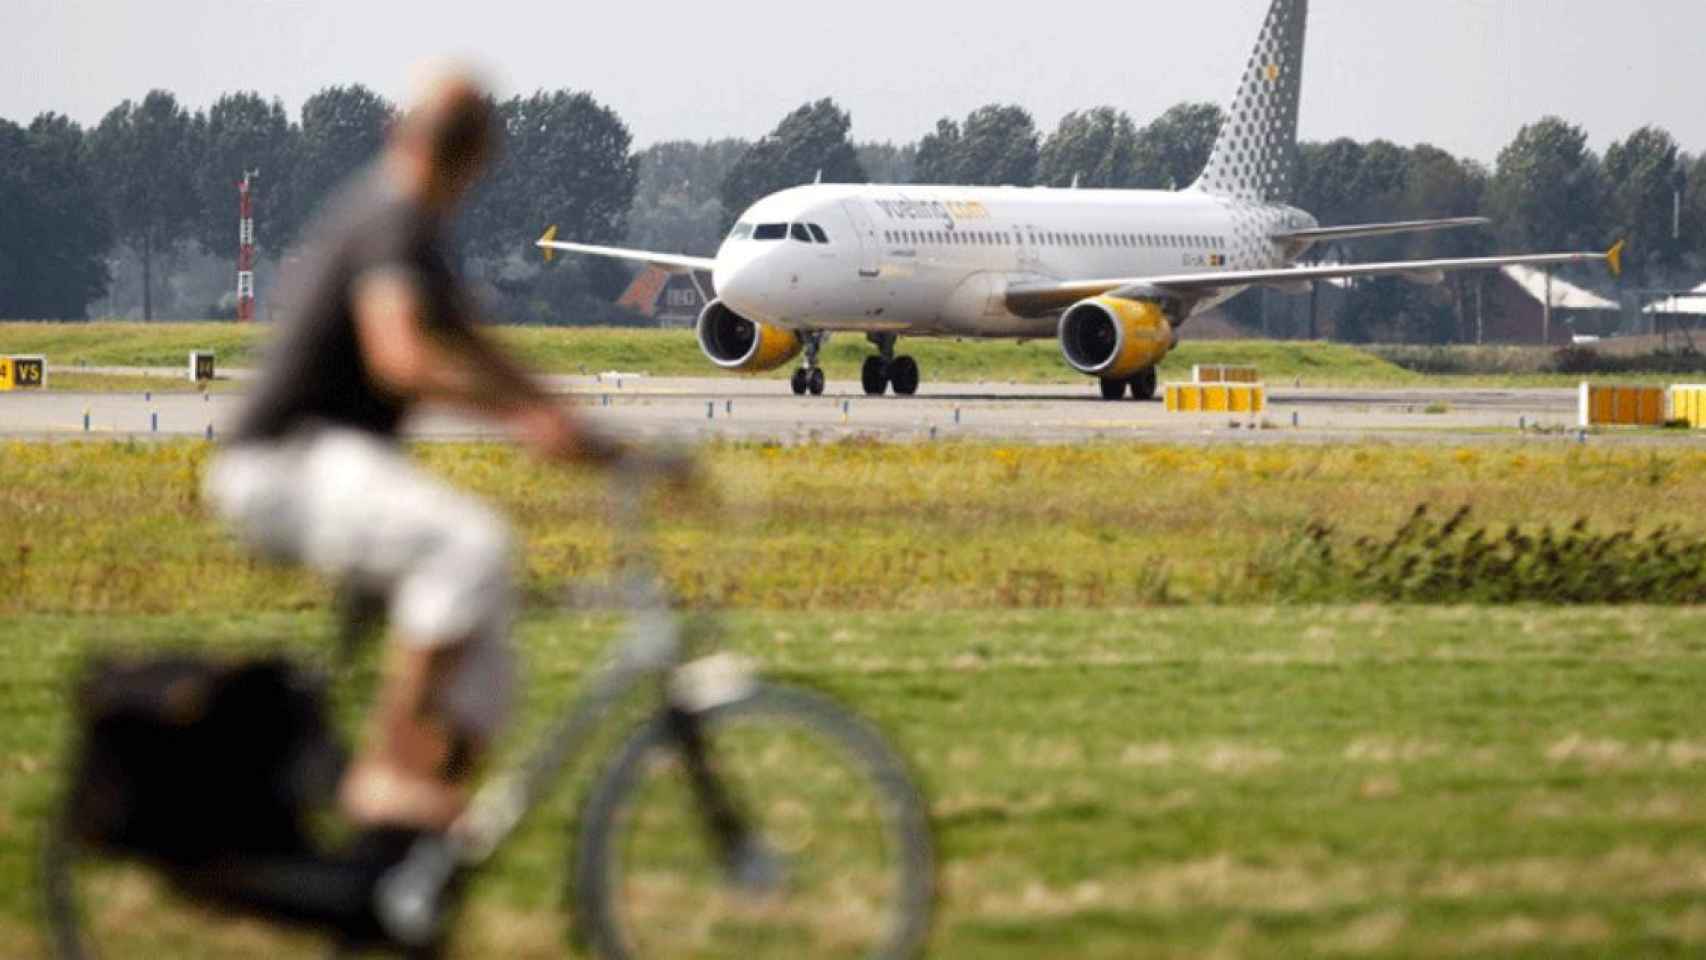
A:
(733, 342)
(1113, 338)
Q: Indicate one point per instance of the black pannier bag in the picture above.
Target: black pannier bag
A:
(186, 760)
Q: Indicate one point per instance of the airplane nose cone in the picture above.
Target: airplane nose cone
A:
(738, 286)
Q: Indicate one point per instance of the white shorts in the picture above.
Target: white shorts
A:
(353, 507)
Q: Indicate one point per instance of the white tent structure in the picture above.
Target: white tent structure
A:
(1692, 303)
(1559, 294)
(1553, 293)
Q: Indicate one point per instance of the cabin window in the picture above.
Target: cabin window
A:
(741, 231)
(817, 233)
(799, 232)
(770, 231)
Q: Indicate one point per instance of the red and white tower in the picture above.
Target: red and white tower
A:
(246, 248)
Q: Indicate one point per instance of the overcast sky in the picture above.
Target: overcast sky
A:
(1462, 74)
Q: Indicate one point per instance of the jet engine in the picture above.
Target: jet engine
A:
(1113, 338)
(733, 342)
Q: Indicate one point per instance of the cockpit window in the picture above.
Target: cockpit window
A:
(741, 231)
(799, 232)
(817, 232)
(770, 231)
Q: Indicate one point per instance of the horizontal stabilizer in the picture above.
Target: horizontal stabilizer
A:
(673, 262)
(1365, 230)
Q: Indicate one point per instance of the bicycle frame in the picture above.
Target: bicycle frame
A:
(654, 649)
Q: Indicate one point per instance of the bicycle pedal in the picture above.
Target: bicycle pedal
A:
(711, 682)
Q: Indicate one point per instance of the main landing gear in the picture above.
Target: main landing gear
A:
(809, 378)
(887, 370)
(1142, 386)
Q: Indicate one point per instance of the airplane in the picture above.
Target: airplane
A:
(1113, 274)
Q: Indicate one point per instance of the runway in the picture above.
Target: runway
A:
(762, 410)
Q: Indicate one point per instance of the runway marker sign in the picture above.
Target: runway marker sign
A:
(23, 373)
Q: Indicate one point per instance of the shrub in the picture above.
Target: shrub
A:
(1428, 561)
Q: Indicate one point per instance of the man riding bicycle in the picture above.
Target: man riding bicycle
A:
(377, 325)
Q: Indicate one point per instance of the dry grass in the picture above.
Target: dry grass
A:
(120, 528)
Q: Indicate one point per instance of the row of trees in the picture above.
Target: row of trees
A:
(154, 179)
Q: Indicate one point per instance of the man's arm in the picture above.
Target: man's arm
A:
(463, 369)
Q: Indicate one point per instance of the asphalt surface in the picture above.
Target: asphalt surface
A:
(695, 408)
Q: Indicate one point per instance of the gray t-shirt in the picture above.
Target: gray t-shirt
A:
(315, 374)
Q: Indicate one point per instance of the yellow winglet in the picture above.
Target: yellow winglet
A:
(550, 235)
(1614, 257)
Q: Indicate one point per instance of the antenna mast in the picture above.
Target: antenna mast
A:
(246, 247)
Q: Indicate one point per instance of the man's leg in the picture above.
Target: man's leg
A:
(441, 702)
(354, 507)
(413, 768)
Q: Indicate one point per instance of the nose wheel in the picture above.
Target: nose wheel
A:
(1142, 386)
(809, 378)
(887, 370)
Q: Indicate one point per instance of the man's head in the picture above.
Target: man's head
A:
(447, 139)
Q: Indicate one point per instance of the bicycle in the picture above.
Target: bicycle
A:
(714, 828)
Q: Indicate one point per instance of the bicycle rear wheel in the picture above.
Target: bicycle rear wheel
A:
(836, 859)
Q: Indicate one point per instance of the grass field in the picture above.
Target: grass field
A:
(1205, 782)
(676, 353)
(1134, 746)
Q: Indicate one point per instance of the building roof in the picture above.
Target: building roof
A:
(642, 294)
(1565, 295)
(1693, 303)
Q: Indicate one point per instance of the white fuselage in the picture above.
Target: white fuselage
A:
(937, 261)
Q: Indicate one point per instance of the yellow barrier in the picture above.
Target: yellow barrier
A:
(1218, 373)
(1216, 397)
(23, 373)
(1688, 403)
(1628, 406)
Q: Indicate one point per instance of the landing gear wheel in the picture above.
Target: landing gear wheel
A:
(815, 382)
(834, 857)
(903, 376)
(1143, 385)
(1113, 389)
(874, 376)
(800, 382)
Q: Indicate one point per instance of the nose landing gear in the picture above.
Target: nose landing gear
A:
(887, 370)
(1142, 386)
(809, 378)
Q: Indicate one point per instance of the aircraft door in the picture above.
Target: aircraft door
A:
(870, 245)
(1030, 260)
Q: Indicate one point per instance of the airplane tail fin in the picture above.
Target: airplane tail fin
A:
(1255, 156)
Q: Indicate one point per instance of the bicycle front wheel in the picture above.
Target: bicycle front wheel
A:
(833, 858)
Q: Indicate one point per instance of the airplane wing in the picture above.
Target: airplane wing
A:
(1040, 298)
(1363, 230)
(674, 262)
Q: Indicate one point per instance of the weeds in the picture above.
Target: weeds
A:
(1429, 561)
(1518, 361)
